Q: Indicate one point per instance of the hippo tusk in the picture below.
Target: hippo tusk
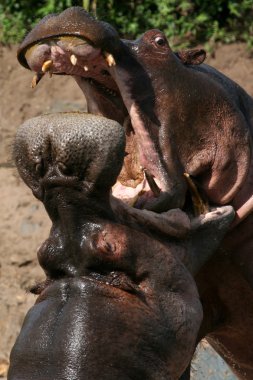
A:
(86, 68)
(37, 77)
(47, 66)
(152, 184)
(200, 206)
(109, 59)
(73, 59)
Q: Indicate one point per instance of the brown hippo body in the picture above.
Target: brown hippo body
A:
(178, 117)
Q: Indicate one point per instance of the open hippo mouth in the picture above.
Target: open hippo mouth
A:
(93, 69)
(99, 62)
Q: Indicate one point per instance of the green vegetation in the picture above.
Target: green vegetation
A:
(185, 22)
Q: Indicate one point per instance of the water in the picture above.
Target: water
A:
(208, 365)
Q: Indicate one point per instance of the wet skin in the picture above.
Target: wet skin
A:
(178, 118)
(110, 307)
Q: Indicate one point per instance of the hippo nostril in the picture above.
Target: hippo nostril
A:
(40, 168)
(63, 169)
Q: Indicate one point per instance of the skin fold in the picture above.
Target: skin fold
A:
(180, 116)
(110, 307)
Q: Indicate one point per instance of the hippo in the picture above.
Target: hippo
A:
(187, 126)
(110, 306)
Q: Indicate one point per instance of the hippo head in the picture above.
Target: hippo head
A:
(134, 83)
(110, 307)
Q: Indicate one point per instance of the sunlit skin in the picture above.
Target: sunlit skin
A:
(180, 116)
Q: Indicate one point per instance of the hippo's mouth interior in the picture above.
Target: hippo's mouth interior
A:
(75, 56)
(92, 68)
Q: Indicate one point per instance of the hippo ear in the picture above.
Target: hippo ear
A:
(192, 56)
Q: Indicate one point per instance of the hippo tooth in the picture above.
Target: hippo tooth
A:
(109, 59)
(152, 184)
(200, 206)
(86, 68)
(73, 59)
(37, 77)
(47, 65)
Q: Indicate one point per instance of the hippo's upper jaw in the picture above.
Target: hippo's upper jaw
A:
(79, 49)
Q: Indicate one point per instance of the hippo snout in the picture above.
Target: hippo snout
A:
(61, 149)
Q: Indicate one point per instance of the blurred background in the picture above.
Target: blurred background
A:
(223, 27)
(184, 22)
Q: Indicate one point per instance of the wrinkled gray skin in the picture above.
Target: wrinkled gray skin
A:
(110, 307)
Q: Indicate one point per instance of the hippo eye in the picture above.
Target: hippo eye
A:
(161, 41)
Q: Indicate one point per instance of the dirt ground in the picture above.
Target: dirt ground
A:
(24, 224)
